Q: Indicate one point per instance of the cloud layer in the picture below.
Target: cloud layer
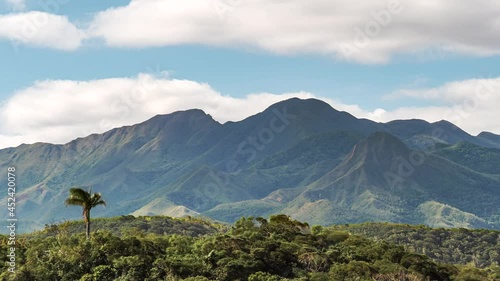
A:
(470, 104)
(367, 32)
(58, 111)
(40, 29)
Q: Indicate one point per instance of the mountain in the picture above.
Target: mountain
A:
(482, 159)
(421, 134)
(384, 180)
(492, 139)
(301, 157)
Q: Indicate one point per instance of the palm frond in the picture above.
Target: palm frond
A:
(96, 200)
(74, 201)
(80, 197)
(96, 196)
(87, 200)
(100, 202)
(76, 192)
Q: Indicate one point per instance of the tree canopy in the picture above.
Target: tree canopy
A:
(254, 249)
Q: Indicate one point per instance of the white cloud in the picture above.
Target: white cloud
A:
(40, 29)
(373, 30)
(453, 92)
(16, 5)
(470, 104)
(58, 111)
(368, 31)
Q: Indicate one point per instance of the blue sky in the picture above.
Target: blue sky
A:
(413, 67)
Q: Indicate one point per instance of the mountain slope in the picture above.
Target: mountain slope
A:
(299, 156)
(384, 180)
(421, 134)
(481, 159)
(492, 139)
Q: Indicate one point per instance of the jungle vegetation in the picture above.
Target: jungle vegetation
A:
(253, 249)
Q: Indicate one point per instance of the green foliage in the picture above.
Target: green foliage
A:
(353, 270)
(481, 159)
(456, 246)
(197, 278)
(254, 249)
(104, 273)
(136, 226)
(263, 276)
(471, 274)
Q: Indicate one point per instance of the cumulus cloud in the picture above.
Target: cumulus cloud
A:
(41, 29)
(470, 104)
(58, 111)
(453, 92)
(367, 31)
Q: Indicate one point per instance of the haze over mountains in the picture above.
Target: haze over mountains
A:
(299, 157)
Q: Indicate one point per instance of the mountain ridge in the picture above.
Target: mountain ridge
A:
(197, 165)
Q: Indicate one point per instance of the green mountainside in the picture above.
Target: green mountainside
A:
(482, 159)
(299, 157)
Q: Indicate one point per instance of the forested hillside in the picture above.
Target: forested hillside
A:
(252, 249)
(130, 225)
(479, 247)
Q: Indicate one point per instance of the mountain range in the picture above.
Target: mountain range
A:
(298, 157)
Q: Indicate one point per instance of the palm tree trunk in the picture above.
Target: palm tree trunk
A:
(87, 229)
(87, 224)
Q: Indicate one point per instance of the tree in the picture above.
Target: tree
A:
(87, 200)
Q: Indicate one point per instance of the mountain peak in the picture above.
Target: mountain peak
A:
(316, 116)
(190, 113)
(446, 124)
(485, 134)
(381, 143)
(378, 151)
(488, 135)
(491, 139)
(304, 104)
(191, 117)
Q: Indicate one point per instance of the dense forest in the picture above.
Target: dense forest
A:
(137, 226)
(253, 249)
(480, 247)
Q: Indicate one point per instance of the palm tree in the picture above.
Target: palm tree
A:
(87, 200)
